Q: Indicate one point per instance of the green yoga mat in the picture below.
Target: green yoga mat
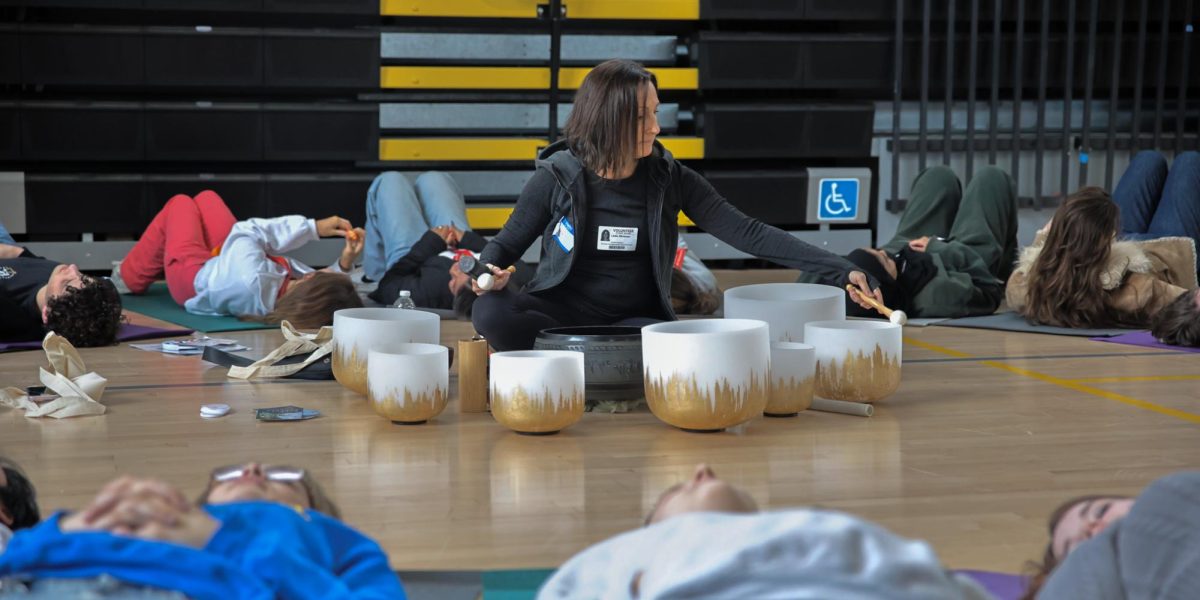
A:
(519, 584)
(157, 303)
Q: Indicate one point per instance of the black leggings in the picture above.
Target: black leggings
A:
(512, 321)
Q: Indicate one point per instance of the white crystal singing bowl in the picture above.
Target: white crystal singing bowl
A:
(786, 307)
(857, 361)
(537, 391)
(408, 383)
(706, 374)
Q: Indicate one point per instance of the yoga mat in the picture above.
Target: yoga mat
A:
(157, 303)
(1011, 321)
(127, 333)
(521, 584)
(1143, 339)
(1002, 586)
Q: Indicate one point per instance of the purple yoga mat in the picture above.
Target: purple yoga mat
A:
(127, 333)
(1143, 339)
(1002, 586)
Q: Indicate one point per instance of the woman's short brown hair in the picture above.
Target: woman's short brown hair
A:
(1178, 323)
(603, 128)
(312, 305)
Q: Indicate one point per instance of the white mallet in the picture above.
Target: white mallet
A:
(486, 281)
(895, 316)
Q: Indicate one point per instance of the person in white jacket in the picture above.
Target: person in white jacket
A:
(217, 265)
(706, 539)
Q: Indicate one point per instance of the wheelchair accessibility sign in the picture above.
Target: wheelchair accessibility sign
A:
(838, 199)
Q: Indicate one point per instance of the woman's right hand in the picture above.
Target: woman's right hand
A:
(333, 226)
(500, 279)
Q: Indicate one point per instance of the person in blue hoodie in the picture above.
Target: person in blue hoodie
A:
(259, 532)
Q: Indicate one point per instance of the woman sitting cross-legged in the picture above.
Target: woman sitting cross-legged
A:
(217, 265)
(706, 539)
(259, 532)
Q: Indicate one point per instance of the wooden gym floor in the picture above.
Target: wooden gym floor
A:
(988, 432)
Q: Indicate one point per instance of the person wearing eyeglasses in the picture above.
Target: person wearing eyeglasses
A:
(257, 531)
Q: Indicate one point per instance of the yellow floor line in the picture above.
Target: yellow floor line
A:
(1139, 378)
(1065, 383)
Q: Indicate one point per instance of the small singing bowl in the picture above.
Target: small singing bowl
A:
(537, 391)
(706, 375)
(856, 361)
(612, 358)
(357, 331)
(792, 369)
(408, 384)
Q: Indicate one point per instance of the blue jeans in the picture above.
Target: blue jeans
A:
(399, 213)
(1155, 202)
(6, 237)
(103, 587)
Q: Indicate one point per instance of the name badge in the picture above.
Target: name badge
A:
(617, 239)
(564, 234)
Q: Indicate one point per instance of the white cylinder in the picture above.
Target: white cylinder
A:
(706, 374)
(408, 383)
(792, 368)
(786, 307)
(537, 391)
(357, 331)
(857, 361)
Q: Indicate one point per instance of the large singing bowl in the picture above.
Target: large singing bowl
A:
(408, 383)
(857, 361)
(612, 358)
(357, 331)
(537, 391)
(786, 307)
(706, 374)
(792, 369)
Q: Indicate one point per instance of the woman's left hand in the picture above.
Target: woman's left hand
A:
(355, 241)
(862, 290)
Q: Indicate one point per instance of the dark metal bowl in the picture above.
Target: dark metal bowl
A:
(612, 359)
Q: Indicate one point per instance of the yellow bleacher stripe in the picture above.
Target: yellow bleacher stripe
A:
(511, 9)
(665, 10)
(673, 10)
(684, 148)
(494, 217)
(460, 148)
(423, 149)
(514, 78)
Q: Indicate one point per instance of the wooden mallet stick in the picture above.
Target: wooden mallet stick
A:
(895, 316)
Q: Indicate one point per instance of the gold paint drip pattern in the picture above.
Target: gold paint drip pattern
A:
(682, 402)
(790, 396)
(859, 377)
(519, 410)
(407, 408)
(350, 371)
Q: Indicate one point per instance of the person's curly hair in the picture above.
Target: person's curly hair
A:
(87, 316)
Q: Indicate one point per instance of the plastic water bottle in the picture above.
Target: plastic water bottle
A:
(405, 300)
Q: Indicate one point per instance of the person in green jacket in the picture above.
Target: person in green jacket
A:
(953, 249)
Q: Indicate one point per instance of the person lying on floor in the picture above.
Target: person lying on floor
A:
(415, 234)
(18, 501)
(706, 539)
(1115, 547)
(260, 531)
(424, 261)
(606, 201)
(1078, 274)
(217, 265)
(952, 249)
(39, 295)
